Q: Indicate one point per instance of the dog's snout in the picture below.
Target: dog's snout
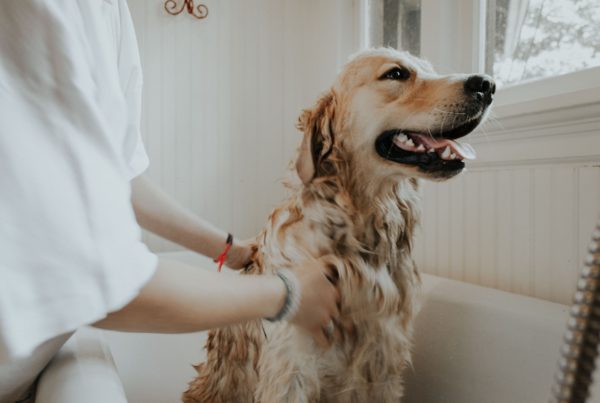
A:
(482, 86)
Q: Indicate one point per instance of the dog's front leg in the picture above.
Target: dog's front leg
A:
(288, 368)
(229, 374)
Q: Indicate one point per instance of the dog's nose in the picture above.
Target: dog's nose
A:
(482, 86)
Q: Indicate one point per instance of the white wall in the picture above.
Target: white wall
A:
(521, 217)
(222, 96)
(221, 99)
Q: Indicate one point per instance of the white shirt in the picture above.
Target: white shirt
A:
(70, 96)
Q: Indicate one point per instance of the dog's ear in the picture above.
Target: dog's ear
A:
(317, 144)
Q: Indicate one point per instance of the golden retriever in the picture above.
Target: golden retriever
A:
(388, 120)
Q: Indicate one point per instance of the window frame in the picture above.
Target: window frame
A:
(453, 39)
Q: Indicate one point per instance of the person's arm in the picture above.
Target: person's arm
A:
(160, 214)
(180, 298)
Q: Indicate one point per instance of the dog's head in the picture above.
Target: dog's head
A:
(390, 114)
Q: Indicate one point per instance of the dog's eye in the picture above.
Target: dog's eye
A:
(397, 73)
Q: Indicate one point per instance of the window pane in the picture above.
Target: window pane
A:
(530, 39)
(396, 23)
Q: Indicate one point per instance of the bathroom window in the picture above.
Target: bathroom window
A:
(543, 54)
(395, 23)
(532, 39)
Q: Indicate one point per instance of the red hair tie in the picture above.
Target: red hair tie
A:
(223, 256)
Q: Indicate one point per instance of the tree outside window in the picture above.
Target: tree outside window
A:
(531, 39)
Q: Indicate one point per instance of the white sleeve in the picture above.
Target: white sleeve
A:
(70, 247)
(131, 78)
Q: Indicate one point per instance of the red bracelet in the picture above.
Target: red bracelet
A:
(223, 256)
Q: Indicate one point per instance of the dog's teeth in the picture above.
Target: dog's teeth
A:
(420, 148)
(431, 150)
(402, 137)
(446, 153)
(453, 156)
(410, 143)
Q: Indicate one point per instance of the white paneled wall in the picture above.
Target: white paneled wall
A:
(222, 96)
(521, 217)
(221, 100)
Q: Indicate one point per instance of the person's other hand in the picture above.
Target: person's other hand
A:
(240, 253)
(319, 303)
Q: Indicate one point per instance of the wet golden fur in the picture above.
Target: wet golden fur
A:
(362, 211)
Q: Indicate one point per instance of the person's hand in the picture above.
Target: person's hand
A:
(240, 253)
(319, 303)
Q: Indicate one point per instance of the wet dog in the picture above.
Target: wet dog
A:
(387, 121)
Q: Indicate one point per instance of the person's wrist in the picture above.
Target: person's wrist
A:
(224, 256)
(240, 254)
(278, 292)
(234, 251)
(291, 303)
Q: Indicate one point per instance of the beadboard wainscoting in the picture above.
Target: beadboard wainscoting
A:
(222, 96)
(221, 99)
(521, 217)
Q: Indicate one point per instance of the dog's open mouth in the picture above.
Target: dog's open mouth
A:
(429, 152)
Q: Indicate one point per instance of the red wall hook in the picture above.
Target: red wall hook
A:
(199, 11)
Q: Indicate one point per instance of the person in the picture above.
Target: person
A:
(73, 197)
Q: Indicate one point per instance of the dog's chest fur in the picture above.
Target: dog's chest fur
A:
(368, 234)
(378, 285)
(375, 245)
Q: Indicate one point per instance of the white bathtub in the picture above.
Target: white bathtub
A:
(472, 345)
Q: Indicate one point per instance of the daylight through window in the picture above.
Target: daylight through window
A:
(396, 23)
(531, 39)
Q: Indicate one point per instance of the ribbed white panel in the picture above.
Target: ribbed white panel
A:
(221, 99)
(521, 217)
(222, 96)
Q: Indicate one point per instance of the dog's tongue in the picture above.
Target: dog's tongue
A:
(464, 150)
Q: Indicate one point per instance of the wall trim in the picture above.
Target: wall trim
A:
(570, 127)
(592, 161)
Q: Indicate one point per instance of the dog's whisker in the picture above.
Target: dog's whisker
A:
(429, 132)
(492, 119)
(453, 120)
(443, 120)
(448, 112)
